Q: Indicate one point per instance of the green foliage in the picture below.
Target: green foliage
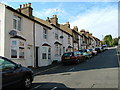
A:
(109, 41)
(115, 41)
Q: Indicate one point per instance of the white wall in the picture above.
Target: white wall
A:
(39, 41)
(26, 32)
(2, 27)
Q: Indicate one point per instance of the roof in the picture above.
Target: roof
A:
(35, 20)
(76, 31)
(66, 29)
(43, 21)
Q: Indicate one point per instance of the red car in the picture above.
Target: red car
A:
(72, 57)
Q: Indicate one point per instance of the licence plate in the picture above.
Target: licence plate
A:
(67, 57)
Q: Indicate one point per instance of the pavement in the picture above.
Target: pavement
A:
(38, 70)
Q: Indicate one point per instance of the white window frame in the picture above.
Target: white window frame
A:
(69, 42)
(56, 36)
(49, 53)
(46, 52)
(18, 21)
(58, 50)
(18, 46)
(45, 33)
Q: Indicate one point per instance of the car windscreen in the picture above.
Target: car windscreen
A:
(67, 54)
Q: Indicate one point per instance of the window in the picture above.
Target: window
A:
(17, 23)
(63, 49)
(58, 50)
(17, 49)
(49, 53)
(68, 39)
(13, 51)
(56, 36)
(44, 53)
(21, 49)
(44, 33)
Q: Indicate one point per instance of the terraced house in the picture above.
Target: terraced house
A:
(34, 42)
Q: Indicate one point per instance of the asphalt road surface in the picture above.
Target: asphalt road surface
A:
(100, 71)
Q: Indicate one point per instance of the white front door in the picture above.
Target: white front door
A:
(29, 56)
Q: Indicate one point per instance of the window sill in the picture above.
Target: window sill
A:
(17, 58)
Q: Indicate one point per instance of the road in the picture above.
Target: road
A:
(100, 71)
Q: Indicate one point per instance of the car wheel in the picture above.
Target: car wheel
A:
(27, 82)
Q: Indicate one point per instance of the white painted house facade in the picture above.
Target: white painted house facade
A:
(34, 42)
(16, 36)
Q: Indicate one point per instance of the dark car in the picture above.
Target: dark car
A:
(98, 50)
(14, 75)
(72, 57)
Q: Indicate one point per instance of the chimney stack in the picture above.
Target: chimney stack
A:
(67, 24)
(54, 20)
(26, 9)
(75, 28)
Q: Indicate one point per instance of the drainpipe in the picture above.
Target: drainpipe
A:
(34, 44)
(73, 40)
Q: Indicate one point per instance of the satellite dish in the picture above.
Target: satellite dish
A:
(13, 33)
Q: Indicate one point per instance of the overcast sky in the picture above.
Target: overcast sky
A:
(99, 18)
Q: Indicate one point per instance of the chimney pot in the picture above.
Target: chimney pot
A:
(54, 16)
(23, 5)
(29, 4)
(20, 6)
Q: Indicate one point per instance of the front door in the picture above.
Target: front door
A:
(29, 56)
(37, 56)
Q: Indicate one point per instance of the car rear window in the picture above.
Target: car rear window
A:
(91, 50)
(67, 54)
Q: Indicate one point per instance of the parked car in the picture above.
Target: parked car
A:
(98, 49)
(89, 53)
(93, 51)
(72, 57)
(14, 75)
(86, 53)
(104, 47)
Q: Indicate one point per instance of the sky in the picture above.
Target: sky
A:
(99, 18)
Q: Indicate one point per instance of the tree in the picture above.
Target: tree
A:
(115, 41)
(108, 40)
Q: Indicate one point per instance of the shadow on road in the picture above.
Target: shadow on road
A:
(60, 86)
(106, 59)
(50, 86)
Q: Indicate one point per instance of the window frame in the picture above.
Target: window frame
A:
(56, 36)
(47, 52)
(69, 42)
(58, 50)
(45, 33)
(17, 24)
(18, 46)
